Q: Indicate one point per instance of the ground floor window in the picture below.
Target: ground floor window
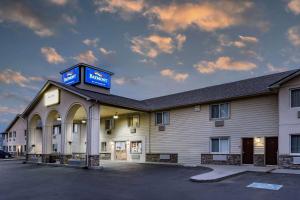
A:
(220, 145)
(136, 147)
(9, 148)
(14, 148)
(295, 143)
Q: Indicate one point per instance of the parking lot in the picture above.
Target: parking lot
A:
(133, 181)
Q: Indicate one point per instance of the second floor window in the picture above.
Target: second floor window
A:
(219, 111)
(14, 134)
(134, 121)
(295, 98)
(162, 118)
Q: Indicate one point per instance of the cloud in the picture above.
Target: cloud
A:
(207, 16)
(8, 76)
(51, 55)
(180, 40)
(87, 57)
(59, 2)
(9, 110)
(294, 6)
(106, 51)
(224, 63)
(13, 96)
(19, 13)
(179, 77)
(242, 42)
(154, 45)
(91, 42)
(274, 69)
(125, 80)
(293, 35)
(69, 19)
(116, 6)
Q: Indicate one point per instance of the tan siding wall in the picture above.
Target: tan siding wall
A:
(121, 132)
(189, 132)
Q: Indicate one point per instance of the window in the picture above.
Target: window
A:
(9, 148)
(25, 133)
(103, 147)
(10, 134)
(162, 118)
(54, 147)
(295, 143)
(219, 111)
(56, 130)
(295, 98)
(25, 148)
(14, 148)
(220, 145)
(136, 147)
(108, 124)
(14, 134)
(75, 128)
(134, 121)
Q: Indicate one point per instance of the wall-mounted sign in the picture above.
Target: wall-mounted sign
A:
(96, 77)
(52, 97)
(71, 77)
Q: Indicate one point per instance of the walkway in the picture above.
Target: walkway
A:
(220, 172)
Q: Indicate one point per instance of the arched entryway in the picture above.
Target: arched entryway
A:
(76, 134)
(53, 135)
(35, 137)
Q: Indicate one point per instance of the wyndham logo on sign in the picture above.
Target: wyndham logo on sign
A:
(97, 78)
(71, 77)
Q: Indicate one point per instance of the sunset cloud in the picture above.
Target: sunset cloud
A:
(179, 77)
(52, 56)
(106, 51)
(59, 2)
(87, 57)
(91, 42)
(69, 19)
(9, 76)
(294, 6)
(274, 69)
(115, 6)
(293, 35)
(154, 45)
(224, 64)
(126, 80)
(206, 16)
(241, 42)
(19, 13)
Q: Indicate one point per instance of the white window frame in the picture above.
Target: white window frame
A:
(219, 118)
(290, 146)
(136, 141)
(111, 124)
(130, 121)
(102, 146)
(163, 118)
(290, 95)
(219, 138)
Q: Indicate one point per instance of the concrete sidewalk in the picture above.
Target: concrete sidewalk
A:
(220, 172)
(286, 171)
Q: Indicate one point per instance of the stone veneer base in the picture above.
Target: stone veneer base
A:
(231, 159)
(259, 159)
(156, 157)
(286, 161)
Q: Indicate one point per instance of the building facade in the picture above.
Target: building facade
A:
(15, 137)
(79, 122)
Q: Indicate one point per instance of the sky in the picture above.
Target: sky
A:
(154, 47)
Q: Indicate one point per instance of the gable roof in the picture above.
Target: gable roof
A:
(12, 123)
(239, 89)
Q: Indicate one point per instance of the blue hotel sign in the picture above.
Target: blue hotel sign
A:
(71, 77)
(96, 77)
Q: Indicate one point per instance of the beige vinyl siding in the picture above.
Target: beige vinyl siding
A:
(189, 132)
(121, 132)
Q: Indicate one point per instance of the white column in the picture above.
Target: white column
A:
(93, 135)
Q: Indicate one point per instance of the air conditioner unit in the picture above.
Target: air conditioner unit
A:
(161, 128)
(219, 123)
(133, 130)
(108, 132)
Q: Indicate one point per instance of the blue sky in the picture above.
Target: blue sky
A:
(153, 47)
